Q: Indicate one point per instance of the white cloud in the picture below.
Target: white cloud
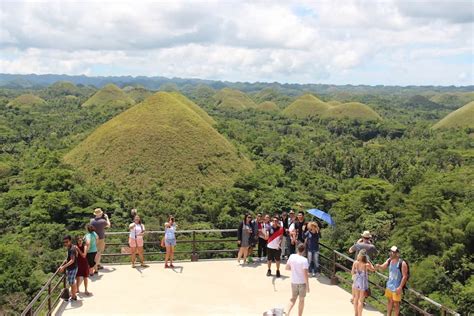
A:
(333, 41)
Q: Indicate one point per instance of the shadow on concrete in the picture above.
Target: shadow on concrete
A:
(65, 305)
(178, 269)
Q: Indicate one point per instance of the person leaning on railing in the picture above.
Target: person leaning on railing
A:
(70, 266)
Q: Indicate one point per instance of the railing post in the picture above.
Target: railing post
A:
(194, 255)
(49, 298)
(333, 270)
(443, 311)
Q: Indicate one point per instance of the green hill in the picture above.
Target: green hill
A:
(193, 106)
(421, 102)
(26, 101)
(109, 96)
(453, 99)
(306, 106)
(268, 106)
(233, 100)
(63, 88)
(161, 140)
(334, 103)
(461, 118)
(352, 110)
(138, 94)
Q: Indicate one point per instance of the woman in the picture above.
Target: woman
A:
(360, 278)
(135, 240)
(312, 246)
(91, 247)
(82, 265)
(244, 233)
(170, 241)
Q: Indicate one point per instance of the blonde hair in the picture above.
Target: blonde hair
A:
(312, 225)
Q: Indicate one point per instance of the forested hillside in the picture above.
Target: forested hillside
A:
(409, 184)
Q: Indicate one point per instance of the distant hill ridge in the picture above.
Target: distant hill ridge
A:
(164, 140)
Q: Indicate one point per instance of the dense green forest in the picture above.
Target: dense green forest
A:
(409, 184)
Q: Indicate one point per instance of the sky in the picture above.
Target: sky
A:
(389, 42)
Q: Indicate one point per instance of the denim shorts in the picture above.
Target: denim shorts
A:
(170, 242)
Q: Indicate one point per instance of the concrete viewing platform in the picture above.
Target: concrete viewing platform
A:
(202, 288)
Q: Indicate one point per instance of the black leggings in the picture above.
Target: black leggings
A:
(262, 247)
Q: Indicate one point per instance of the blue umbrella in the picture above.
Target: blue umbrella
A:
(322, 215)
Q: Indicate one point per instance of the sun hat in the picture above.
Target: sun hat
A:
(366, 234)
(394, 249)
(98, 212)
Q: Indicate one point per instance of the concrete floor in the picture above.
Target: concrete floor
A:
(202, 288)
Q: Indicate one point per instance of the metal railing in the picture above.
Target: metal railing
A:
(332, 264)
(48, 296)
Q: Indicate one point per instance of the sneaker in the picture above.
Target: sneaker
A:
(278, 274)
(167, 266)
(269, 272)
(73, 298)
(100, 267)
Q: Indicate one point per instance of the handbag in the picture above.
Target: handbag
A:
(65, 294)
(162, 244)
(368, 292)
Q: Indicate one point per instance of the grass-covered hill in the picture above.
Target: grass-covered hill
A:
(306, 106)
(138, 94)
(193, 106)
(461, 118)
(63, 88)
(352, 110)
(267, 106)
(161, 140)
(26, 101)
(109, 96)
(453, 99)
(421, 102)
(231, 99)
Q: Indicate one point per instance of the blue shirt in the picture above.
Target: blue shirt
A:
(312, 241)
(169, 233)
(394, 276)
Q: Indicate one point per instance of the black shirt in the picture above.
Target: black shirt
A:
(299, 230)
(72, 254)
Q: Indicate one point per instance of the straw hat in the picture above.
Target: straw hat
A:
(98, 212)
(394, 249)
(366, 234)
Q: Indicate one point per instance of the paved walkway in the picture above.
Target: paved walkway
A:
(202, 288)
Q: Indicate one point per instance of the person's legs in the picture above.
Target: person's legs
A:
(240, 254)
(278, 264)
(133, 255)
(396, 308)
(100, 251)
(245, 253)
(171, 255)
(167, 255)
(316, 261)
(301, 305)
(389, 307)
(86, 283)
(78, 282)
(294, 295)
(355, 298)
(140, 255)
(310, 260)
(360, 302)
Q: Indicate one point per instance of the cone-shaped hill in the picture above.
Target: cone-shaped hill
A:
(109, 96)
(26, 101)
(138, 94)
(63, 88)
(352, 110)
(233, 100)
(161, 140)
(193, 106)
(267, 106)
(306, 106)
(461, 118)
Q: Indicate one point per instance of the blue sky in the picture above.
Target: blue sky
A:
(391, 42)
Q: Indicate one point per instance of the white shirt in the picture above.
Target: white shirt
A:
(298, 264)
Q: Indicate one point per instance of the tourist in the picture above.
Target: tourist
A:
(284, 244)
(135, 240)
(360, 281)
(263, 225)
(300, 227)
(397, 278)
(253, 237)
(244, 234)
(100, 222)
(291, 235)
(90, 248)
(274, 237)
(312, 246)
(299, 279)
(82, 266)
(364, 243)
(170, 241)
(70, 266)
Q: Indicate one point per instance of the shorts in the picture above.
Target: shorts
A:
(393, 295)
(100, 245)
(273, 254)
(91, 259)
(133, 243)
(170, 242)
(298, 290)
(71, 276)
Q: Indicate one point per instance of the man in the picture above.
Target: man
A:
(70, 266)
(366, 244)
(291, 239)
(300, 227)
(100, 222)
(274, 236)
(397, 278)
(263, 225)
(299, 279)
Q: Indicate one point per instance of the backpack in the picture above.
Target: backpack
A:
(399, 266)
